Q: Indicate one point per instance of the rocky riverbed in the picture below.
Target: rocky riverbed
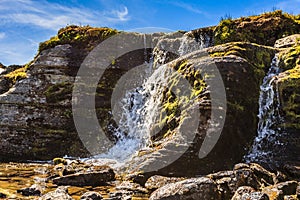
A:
(72, 179)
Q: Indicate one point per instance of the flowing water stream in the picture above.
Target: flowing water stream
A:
(268, 131)
(141, 105)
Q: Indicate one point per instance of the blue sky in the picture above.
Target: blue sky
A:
(25, 23)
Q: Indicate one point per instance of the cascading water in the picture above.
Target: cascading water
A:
(140, 107)
(268, 131)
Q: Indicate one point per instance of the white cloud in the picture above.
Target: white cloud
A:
(54, 16)
(2, 35)
(188, 7)
(122, 15)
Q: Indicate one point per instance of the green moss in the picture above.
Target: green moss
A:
(289, 90)
(289, 82)
(257, 55)
(171, 107)
(217, 54)
(261, 29)
(224, 31)
(57, 161)
(290, 58)
(17, 74)
(171, 113)
(58, 92)
(67, 113)
(52, 42)
(236, 106)
(76, 35)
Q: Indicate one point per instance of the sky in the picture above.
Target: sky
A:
(26, 23)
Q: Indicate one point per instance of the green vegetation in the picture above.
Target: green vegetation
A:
(289, 82)
(290, 95)
(58, 92)
(17, 74)
(77, 34)
(263, 29)
(173, 105)
(57, 161)
(290, 58)
(257, 55)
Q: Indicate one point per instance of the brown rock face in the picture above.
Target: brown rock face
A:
(36, 119)
(38, 110)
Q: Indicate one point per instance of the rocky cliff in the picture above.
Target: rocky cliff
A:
(35, 102)
(36, 116)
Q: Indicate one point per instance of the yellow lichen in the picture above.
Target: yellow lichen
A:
(74, 34)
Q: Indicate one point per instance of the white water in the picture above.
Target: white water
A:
(269, 117)
(140, 110)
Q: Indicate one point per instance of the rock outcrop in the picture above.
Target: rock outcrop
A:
(35, 101)
(36, 119)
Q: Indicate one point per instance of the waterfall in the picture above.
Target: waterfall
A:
(142, 106)
(267, 141)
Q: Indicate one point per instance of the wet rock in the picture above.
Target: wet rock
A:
(263, 175)
(91, 196)
(93, 178)
(242, 191)
(288, 41)
(194, 188)
(2, 195)
(243, 175)
(298, 190)
(290, 197)
(138, 177)
(246, 192)
(256, 196)
(292, 170)
(61, 193)
(57, 161)
(130, 186)
(121, 195)
(34, 190)
(155, 182)
(279, 190)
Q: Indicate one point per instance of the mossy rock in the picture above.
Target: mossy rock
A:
(289, 82)
(57, 161)
(257, 55)
(59, 92)
(76, 35)
(11, 75)
(172, 104)
(263, 29)
(290, 57)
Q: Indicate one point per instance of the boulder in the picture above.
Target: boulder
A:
(34, 190)
(2, 195)
(246, 192)
(280, 190)
(91, 196)
(61, 193)
(93, 178)
(121, 195)
(155, 182)
(195, 188)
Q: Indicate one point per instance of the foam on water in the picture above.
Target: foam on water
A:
(269, 117)
(141, 108)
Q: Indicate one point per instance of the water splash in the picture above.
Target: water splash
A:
(142, 106)
(268, 131)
